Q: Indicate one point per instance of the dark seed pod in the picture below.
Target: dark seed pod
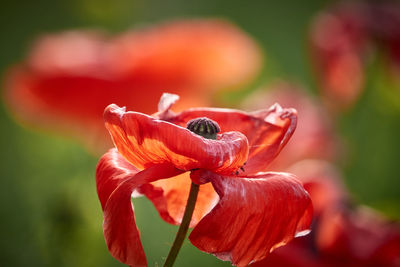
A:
(205, 127)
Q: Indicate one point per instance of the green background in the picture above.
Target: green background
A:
(50, 214)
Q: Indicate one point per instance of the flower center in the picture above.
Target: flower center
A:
(205, 127)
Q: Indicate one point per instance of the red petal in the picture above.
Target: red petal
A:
(111, 171)
(323, 182)
(298, 253)
(145, 141)
(200, 54)
(254, 216)
(116, 181)
(314, 136)
(70, 77)
(266, 130)
(169, 196)
(167, 100)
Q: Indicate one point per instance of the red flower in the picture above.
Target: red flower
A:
(358, 237)
(341, 41)
(338, 41)
(314, 137)
(69, 78)
(240, 215)
(342, 235)
(311, 148)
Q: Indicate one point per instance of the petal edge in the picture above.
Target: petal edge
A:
(145, 141)
(257, 217)
(115, 186)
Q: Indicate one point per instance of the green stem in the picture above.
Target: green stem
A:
(183, 228)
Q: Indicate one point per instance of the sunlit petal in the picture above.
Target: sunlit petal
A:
(169, 196)
(115, 182)
(267, 130)
(254, 216)
(145, 141)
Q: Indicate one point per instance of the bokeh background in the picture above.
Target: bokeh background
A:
(50, 214)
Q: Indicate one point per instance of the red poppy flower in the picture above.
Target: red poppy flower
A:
(342, 236)
(341, 41)
(338, 41)
(69, 78)
(241, 214)
(359, 236)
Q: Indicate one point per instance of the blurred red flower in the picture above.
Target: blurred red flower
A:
(341, 41)
(358, 236)
(69, 78)
(341, 235)
(314, 137)
(241, 214)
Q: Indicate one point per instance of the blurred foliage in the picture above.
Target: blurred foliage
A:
(50, 212)
(371, 131)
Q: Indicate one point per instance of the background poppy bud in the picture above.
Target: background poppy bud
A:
(205, 127)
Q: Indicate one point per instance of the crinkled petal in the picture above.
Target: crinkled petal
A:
(267, 130)
(167, 100)
(254, 216)
(169, 196)
(145, 141)
(116, 181)
(111, 171)
(342, 237)
(314, 136)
